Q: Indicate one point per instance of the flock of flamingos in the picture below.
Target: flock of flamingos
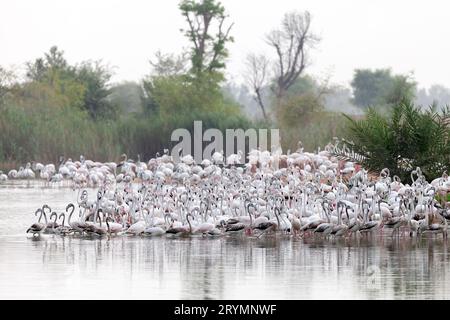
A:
(301, 194)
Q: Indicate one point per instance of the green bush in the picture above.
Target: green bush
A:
(401, 141)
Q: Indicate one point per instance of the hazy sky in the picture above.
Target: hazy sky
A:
(405, 35)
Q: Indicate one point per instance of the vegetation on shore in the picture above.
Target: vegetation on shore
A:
(58, 108)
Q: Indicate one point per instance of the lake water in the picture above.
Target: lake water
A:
(281, 268)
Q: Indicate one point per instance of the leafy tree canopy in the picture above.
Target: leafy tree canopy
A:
(380, 87)
(208, 32)
(84, 85)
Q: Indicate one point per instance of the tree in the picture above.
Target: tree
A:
(95, 76)
(256, 78)
(380, 87)
(440, 94)
(208, 52)
(167, 65)
(436, 94)
(369, 86)
(301, 114)
(308, 84)
(171, 89)
(7, 78)
(36, 70)
(246, 99)
(88, 80)
(127, 96)
(402, 89)
(291, 43)
(166, 68)
(53, 64)
(52, 81)
(297, 109)
(339, 99)
(175, 97)
(401, 142)
(304, 97)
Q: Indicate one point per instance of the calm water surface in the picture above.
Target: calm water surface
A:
(195, 268)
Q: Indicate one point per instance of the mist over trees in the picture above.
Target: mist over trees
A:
(436, 94)
(61, 108)
(209, 32)
(382, 88)
(64, 108)
(291, 44)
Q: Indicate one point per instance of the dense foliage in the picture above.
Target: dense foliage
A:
(381, 88)
(401, 142)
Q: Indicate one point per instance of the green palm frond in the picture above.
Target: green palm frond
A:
(402, 140)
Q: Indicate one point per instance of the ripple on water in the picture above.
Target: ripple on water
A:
(51, 267)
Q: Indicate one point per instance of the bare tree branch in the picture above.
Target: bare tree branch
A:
(274, 40)
(256, 78)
